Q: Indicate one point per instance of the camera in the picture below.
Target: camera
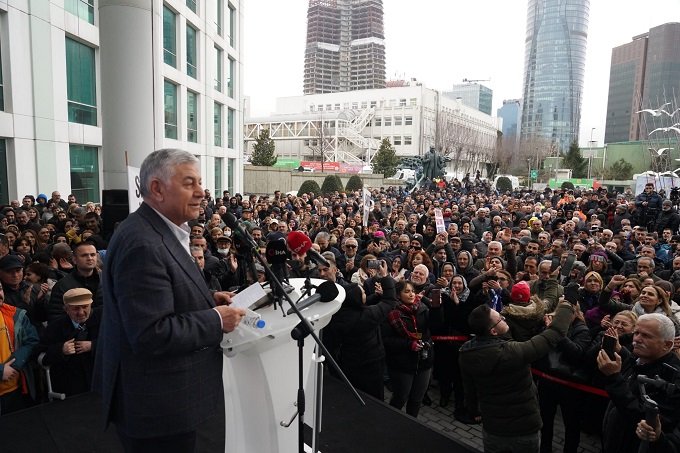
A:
(425, 351)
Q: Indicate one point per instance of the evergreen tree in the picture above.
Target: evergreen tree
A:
(264, 150)
(385, 161)
(309, 186)
(331, 184)
(620, 170)
(354, 183)
(574, 160)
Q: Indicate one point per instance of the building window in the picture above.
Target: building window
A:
(397, 140)
(2, 89)
(231, 77)
(219, 19)
(81, 83)
(218, 124)
(4, 179)
(192, 117)
(378, 121)
(355, 105)
(397, 120)
(337, 106)
(413, 102)
(402, 102)
(169, 37)
(191, 51)
(84, 172)
(230, 175)
(408, 120)
(388, 121)
(191, 4)
(373, 103)
(83, 9)
(319, 107)
(232, 25)
(230, 128)
(170, 108)
(364, 104)
(218, 176)
(218, 69)
(407, 139)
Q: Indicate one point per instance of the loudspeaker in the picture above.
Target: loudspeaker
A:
(115, 209)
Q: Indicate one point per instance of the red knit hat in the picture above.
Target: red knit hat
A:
(521, 293)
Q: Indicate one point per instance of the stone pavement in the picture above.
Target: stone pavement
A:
(441, 419)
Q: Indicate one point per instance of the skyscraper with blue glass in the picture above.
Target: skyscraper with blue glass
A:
(554, 69)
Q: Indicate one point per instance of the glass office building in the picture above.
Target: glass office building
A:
(554, 68)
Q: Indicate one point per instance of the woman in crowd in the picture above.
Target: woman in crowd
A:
(24, 249)
(589, 297)
(566, 361)
(465, 265)
(353, 335)
(37, 274)
(364, 272)
(397, 269)
(408, 348)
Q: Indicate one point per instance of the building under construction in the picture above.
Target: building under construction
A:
(345, 46)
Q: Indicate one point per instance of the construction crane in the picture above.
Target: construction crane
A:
(476, 80)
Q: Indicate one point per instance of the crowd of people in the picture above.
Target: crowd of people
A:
(513, 304)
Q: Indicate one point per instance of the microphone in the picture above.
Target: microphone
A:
(326, 292)
(276, 257)
(300, 244)
(232, 223)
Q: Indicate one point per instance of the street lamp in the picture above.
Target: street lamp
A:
(529, 174)
(590, 154)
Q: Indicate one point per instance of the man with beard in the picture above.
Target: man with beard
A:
(668, 218)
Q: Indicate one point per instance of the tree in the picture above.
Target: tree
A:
(354, 183)
(574, 160)
(309, 186)
(568, 185)
(503, 184)
(620, 170)
(264, 150)
(331, 184)
(385, 160)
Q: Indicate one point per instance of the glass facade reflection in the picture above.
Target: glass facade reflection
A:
(554, 68)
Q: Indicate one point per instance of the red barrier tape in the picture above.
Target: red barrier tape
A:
(450, 338)
(574, 385)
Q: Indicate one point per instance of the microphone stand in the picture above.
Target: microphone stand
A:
(299, 333)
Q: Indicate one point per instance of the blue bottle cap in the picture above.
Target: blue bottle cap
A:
(260, 324)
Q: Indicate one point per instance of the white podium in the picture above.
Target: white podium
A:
(260, 377)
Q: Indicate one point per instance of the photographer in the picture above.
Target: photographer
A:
(647, 205)
(408, 347)
(652, 356)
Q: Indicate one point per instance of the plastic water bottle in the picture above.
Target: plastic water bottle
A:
(253, 320)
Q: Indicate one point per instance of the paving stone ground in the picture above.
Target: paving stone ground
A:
(441, 419)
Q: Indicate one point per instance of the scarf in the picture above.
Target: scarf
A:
(396, 319)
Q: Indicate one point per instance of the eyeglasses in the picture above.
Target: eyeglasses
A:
(350, 246)
(499, 321)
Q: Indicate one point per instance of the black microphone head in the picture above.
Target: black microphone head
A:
(328, 291)
(277, 252)
(230, 220)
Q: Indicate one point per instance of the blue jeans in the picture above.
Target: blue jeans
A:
(409, 388)
(527, 443)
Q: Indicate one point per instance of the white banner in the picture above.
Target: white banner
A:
(368, 205)
(439, 220)
(134, 196)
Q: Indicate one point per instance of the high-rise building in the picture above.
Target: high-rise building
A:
(644, 74)
(473, 95)
(510, 113)
(554, 68)
(345, 48)
(87, 85)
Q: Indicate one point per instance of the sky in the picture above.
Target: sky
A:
(441, 42)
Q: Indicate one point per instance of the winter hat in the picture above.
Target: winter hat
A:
(598, 256)
(521, 292)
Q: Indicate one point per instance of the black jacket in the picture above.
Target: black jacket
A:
(73, 280)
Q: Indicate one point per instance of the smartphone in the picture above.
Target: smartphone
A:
(373, 264)
(608, 344)
(571, 293)
(435, 297)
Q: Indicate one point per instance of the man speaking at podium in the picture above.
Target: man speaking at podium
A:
(159, 363)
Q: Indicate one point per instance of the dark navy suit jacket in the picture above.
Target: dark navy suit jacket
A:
(159, 363)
